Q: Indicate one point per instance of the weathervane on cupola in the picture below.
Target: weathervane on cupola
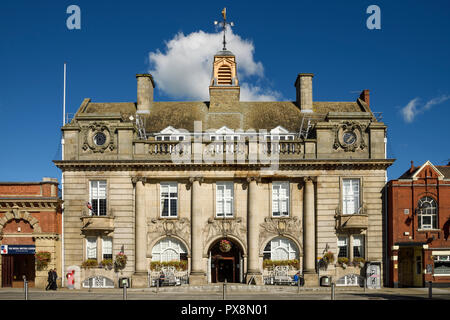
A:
(224, 24)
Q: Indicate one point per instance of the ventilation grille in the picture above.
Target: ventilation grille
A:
(224, 75)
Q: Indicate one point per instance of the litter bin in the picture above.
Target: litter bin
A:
(325, 281)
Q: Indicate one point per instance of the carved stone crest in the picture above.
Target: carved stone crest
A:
(98, 137)
(272, 227)
(165, 227)
(349, 136)
(225, 227)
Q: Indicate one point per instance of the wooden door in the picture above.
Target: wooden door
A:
(406, 267)
(7, 270)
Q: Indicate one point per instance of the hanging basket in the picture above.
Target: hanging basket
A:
(225, 245)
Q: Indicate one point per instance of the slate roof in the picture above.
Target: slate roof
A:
(250, 115)
(445, 170)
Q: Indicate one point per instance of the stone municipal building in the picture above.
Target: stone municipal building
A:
(223, 189)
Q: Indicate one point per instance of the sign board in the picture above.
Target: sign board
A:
(18, 249)
(373, 274)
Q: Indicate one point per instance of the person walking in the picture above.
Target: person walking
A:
(54, 278)
(49, 280)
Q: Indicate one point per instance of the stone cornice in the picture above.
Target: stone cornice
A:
(323, 164)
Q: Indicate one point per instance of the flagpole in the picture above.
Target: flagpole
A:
(62, 182)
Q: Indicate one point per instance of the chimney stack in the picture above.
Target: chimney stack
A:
(365, 96)
(145, 86)
(303, 85)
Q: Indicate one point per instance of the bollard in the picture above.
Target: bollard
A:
(365, 284)
(125, 291)
(430, 290)
(332, 291)
(25, 287)
(157, 285)
(224, 289)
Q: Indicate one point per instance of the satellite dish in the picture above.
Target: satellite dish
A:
(131, 118)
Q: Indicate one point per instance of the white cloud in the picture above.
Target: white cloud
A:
(184, 70)
(412, 109)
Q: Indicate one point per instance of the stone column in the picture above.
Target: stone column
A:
(140, 272)
(309, 231)
(197, 275)
(253, 266)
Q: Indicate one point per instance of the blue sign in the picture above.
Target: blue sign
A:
(18, 249)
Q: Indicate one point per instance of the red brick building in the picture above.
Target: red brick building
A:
(30, 224)
(418, 227)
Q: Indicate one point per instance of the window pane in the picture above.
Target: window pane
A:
(91, 248)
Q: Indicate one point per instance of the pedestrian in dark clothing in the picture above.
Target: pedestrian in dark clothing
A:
(49, 279)
(54, 278)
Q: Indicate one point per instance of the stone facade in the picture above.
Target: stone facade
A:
(343, 141)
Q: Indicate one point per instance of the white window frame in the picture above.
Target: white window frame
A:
(221, 201)
(340, 245)
(91, 240)
(428, 212)
(168, 244)
(286, 245)
(107, 249)
(279, 199)
(361, 239)
(169, 198)
(94, 190)
(441, 258)
(352, 196)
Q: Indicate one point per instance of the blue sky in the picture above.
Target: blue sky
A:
(405, 64)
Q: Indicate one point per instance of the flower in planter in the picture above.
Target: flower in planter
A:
(90, 263)
(343, 262)
(359, 262)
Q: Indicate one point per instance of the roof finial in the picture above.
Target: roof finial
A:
(224, 24)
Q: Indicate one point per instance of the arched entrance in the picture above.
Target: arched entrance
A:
(226, 261)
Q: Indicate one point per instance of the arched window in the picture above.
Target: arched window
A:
(427, 213)
(281, 249)
(169, 249)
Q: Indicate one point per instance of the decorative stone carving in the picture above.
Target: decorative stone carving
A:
(225, 227)
(349, 136)
(272, 227)
(98, 137)
(165, 227)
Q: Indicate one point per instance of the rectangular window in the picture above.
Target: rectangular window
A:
(224, 199)
(442, 265)
(169, 199)
(358, 246)
(280, 199)
(91, 248)
(343, 247)
(107, 248)
(350, 196)
(98, 197)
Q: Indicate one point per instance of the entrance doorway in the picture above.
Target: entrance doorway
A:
(14, 267)
(225, 261)
(410, 267)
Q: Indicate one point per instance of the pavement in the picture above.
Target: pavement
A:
(231, 293)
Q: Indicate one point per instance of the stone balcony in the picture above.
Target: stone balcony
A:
(352, 221)
(97, 223)
(220, 150)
